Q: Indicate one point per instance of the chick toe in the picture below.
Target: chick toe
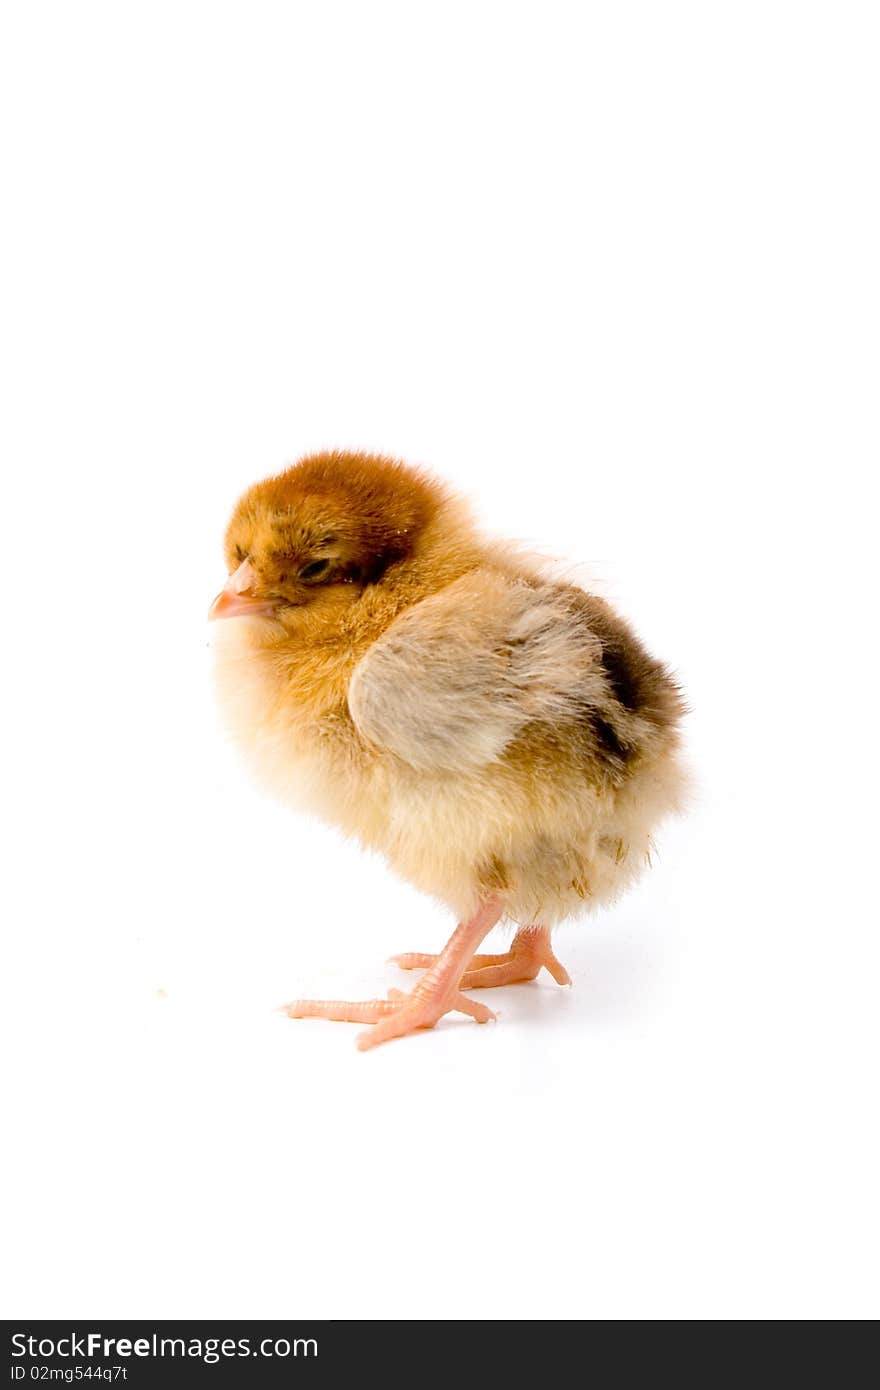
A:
(530, 952)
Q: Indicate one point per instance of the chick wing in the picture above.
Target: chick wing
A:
(458, 676)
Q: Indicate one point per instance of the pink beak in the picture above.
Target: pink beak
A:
(237, 600)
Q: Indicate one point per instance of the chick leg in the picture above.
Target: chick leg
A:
(529, 951)
(436, 994)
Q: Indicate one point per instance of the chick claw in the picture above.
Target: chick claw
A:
(395, 1016)
(529, 951)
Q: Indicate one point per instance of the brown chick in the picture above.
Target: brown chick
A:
(503, 739)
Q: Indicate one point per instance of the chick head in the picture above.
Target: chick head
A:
(313, 537)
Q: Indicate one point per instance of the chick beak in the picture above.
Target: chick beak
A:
(238, 600)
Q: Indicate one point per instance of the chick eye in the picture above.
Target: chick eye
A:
(316, 570)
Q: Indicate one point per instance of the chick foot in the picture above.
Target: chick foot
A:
(398, 1014)
(530, 951)
(436, 994)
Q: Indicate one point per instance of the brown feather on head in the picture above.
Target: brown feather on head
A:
(332, 519)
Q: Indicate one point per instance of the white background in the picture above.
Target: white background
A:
(612, 270)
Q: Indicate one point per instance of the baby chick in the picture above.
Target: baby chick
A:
(502, 738)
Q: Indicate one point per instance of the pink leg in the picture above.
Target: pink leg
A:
(529, 951)
(436, 994)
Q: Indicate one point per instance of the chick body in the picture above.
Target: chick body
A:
(440, 699)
